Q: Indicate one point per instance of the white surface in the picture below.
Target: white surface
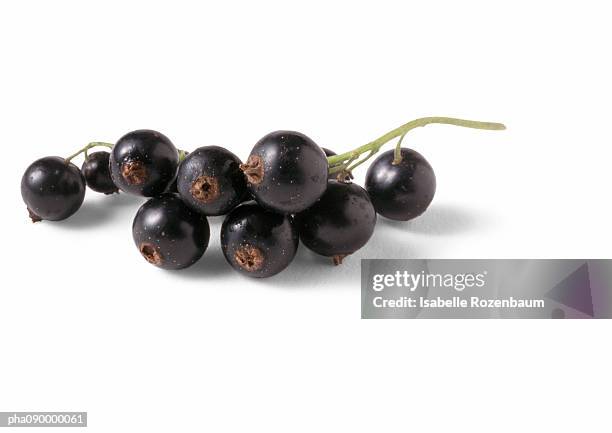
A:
(87, 325)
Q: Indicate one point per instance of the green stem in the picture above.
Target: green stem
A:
(182, 155)
(374, 146)
(397, 154)
(343, 166)
(86, 148)
(358, 163)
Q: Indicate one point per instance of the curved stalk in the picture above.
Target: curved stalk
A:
(397, 154)
(86, 148)
(374, 146)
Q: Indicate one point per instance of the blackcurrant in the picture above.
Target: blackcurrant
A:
(257, 242)
(286, 172)
(52, 189)
(144, 162)
(340, 223)
(96, 170)
(401, 191)
(169, 234)
(210, 181)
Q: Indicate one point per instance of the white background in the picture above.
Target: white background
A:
(86, 324)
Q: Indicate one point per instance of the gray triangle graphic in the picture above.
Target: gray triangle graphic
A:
(575, 291)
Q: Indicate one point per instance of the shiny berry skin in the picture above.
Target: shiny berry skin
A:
(144, 162)
(286, 172)
(96, 170)
(169, 234)
(340, 223)
(257, 242)
(210, 180)
(401, 192)
(52, 189)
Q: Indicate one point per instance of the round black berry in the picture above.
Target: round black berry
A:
(257, 242)
(144, 162)
(286, 172)
(403, 191)
(340, 223)
(96, 170)
(210, 180)
(52, 189)
(169, 234)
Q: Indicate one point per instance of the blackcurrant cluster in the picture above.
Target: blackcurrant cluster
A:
(288, 189)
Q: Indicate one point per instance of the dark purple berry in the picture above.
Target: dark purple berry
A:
(96, 170)
(257, 242)
(169, 234)
(286, 172)
(144, 162)
(340, 223)
(403, 191)
(210, 180)
(52, 189)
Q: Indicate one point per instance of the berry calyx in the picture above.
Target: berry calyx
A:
(205, 189)
(150, 253)
(253, 169)
(250, 258)
(134, 172)
(209, 180)
(35, 218)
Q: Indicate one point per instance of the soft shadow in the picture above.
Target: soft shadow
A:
(440, 220)
(312, 271)
(307, 270)
(211, 265)
(101, 210)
